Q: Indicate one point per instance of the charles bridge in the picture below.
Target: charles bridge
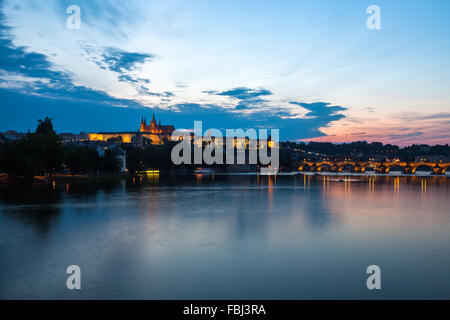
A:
(381, 167)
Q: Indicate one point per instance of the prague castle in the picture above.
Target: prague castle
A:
(154, 131)
(154, 128)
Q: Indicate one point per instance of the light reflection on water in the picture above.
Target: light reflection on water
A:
(206, 237)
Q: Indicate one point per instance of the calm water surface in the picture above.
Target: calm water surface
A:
(236, 237)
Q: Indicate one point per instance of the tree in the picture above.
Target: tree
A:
(135, 160)
(81, 159)
(47, 147)
(110, 162)
(45, 126)
(15, 158)
(286, 159)
(37, 153)
(117, 140)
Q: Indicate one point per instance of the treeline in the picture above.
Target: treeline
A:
(367, 150)
(150, 157)
(409, 153)
(82, 159)
(160, 157)
(41, 153)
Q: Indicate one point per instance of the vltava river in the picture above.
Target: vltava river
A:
(227, 237)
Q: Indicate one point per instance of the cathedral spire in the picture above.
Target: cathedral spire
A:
(142, 127)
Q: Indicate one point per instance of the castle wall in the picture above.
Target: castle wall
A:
(127, 137)
(156, 133)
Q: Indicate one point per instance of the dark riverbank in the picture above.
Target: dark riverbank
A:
(4, 179)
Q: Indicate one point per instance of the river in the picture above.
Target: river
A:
(227, 237)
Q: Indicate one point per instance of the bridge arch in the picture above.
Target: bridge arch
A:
(369, 166)
(444, 167)
(306, 165)
(325, 164)
(395, 167)
(431, 166)
(343, 165)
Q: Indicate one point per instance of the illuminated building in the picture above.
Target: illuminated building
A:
(154, 132)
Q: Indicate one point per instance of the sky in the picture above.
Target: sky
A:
(312, 69)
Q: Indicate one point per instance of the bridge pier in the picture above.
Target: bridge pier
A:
(381, 167)
(407, 170)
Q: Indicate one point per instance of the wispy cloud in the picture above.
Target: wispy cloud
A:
(140, 55)
(419, 117)
(321, 109)
(121, 61)
(34, 74)
(401, 130)
(146, 91)
(57, 96)
(247, 98)
(244, 93)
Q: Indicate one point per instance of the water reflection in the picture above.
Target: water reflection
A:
(227, 236)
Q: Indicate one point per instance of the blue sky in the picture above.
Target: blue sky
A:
(310, 68)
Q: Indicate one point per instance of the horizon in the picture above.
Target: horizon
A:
(281, 141)
(313, 70)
